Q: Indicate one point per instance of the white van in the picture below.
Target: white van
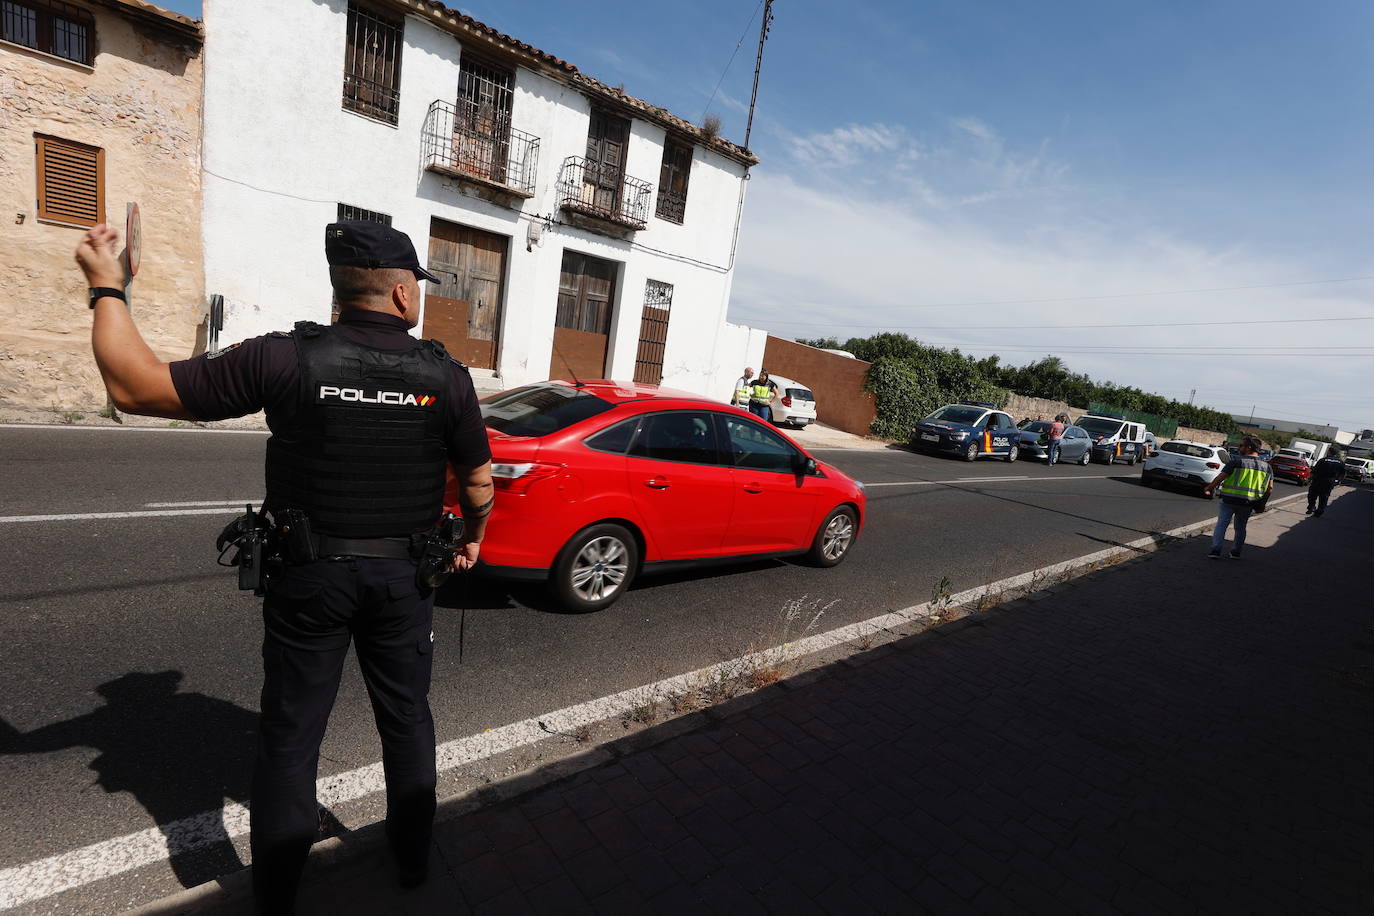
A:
(1114, 438)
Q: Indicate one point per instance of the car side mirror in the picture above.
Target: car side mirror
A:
(803, 464)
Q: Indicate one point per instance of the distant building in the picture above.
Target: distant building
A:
(1289, 426)
(578, 230)
(99, 106)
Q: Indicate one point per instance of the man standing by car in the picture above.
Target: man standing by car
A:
(365, 419)
(1325, 475)
(742, 385)
(1056, 438)
(1244, 485)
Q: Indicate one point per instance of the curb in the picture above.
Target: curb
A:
(368, 841)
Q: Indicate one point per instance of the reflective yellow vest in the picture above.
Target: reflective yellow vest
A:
(1246, 484)
(742, 393)
(760, 394)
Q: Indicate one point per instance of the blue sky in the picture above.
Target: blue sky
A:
(920, 160)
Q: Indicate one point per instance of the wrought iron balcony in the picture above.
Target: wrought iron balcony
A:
(672, 207)
(488, 151)
(371, 98)
(603, 193)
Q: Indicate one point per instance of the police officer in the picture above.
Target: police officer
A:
(761, 394)
(1244, 486)
(365, 419)
(1325, 475)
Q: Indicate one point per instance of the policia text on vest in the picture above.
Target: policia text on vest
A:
(366, 421)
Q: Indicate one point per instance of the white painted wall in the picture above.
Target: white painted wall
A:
(281, 153)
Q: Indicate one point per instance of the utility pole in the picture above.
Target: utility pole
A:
(1252, 414)
(1191, 395)
(758, 65)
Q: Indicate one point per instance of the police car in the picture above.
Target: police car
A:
(1114, 438)
(970, 429)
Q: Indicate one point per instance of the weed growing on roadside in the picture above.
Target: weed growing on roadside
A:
(107, 412)
(941, 595)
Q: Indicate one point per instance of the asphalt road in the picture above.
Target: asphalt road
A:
(129, 690)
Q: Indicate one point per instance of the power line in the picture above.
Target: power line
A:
(1068, 327)
(728, 63)
(1099, 298)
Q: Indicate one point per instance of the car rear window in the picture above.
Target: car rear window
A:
(801, 394)
(957, 413)
(538, 410)
(1192, 451)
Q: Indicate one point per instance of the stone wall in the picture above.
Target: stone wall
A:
(836, 381)
(1205, 436)
(140, 104)
(1021, 407)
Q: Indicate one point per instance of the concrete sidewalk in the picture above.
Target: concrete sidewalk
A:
(1082, 750)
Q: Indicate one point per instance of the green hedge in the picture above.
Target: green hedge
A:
(907, 390)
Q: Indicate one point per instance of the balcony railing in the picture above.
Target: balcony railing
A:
(603, 192)
(672, 207)
(492, 152)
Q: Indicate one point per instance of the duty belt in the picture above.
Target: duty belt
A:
(381, 548)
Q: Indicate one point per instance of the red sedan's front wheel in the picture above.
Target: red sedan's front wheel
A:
(835, 537)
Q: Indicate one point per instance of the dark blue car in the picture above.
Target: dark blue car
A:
(969, 430)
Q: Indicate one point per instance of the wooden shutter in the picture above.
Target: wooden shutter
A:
(71, 181)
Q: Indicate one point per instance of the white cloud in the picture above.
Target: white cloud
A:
(859, 227)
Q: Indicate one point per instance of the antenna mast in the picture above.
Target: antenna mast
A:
(758, 65)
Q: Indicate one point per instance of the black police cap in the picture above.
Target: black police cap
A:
(363, 243)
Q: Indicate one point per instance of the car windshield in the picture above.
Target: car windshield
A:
(958, 413)
(1191, 451)
(1100, 426)
(1034, 426)
(537, 410)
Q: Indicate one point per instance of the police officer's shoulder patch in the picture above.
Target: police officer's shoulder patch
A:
(309, 329)
(216, 354)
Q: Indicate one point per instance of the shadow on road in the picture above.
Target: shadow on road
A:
(178, 754)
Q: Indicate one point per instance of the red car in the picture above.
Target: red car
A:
(1293, 469)
(599, 481)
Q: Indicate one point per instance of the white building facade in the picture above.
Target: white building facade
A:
(579, 231)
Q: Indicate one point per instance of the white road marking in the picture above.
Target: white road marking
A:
(138, 429)
(22, 884)
(930, 483)
(96, 516)
(209, 502)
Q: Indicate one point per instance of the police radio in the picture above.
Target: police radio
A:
(250, 533)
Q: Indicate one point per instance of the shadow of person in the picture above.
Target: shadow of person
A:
(180, 755)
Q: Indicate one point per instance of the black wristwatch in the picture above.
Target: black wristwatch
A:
(100, 292)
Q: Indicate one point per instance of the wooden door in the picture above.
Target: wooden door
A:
(464, 312)
(653, 332)
(582, 323)
(607, 138)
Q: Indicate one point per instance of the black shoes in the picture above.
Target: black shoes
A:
(1235, 554)
(1214, 553)
(1309, 510)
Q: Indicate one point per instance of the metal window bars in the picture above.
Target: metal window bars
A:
(672, 207)
(50, 26)
(604, 192)
(653, 332)
(488, 149)
(372, 65)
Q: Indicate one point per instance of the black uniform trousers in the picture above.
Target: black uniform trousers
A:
(310, 614)
(1318, 492)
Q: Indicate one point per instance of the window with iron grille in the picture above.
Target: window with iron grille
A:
(71, 181)
(372, 64)
(672, 181)
(653, 332)
(348, 211)
(482, 126)
(50, 26)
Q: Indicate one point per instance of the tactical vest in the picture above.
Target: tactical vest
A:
(1247, 483)
(362, 448)
(759, 394)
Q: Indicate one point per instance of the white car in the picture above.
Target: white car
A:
(795, 405)
(1359, 469)
(1185, 464)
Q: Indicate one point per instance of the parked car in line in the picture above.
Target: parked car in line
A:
(1359, 469)
(599, 482)
(1184, 464)
(795, 405)
(1291, 468)
(970, 429)
(1114, 438)
(1075, 446)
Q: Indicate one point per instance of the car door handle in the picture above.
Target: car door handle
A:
(657, 483)
(753, 487)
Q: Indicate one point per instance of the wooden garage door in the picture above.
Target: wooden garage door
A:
(464, 310)
(582, 324)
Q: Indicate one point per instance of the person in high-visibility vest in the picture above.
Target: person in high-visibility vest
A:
(1244, 486)
(761, 396)
(740, 398)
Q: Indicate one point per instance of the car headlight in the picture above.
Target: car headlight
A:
(958, 437)
(859, 484)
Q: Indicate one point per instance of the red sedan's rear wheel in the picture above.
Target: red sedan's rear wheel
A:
(595, 568)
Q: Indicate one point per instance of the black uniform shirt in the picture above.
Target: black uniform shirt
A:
(263, 373)
(1329, 470)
